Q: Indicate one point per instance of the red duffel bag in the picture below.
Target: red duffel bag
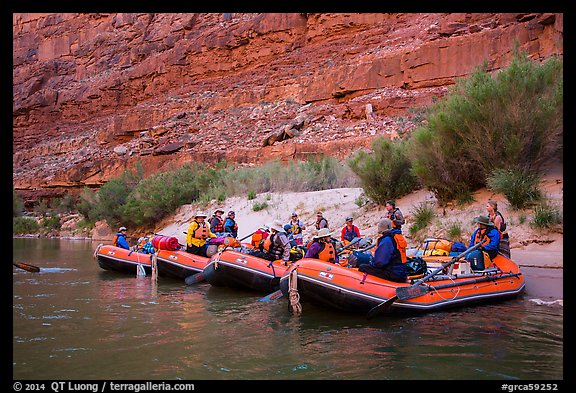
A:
(169, 243)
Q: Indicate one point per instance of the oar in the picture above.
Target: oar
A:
(247, 236)
(27, 267)
(354, 241)
(271, 296)
(195, 278)
(386, 304)
(409, 292)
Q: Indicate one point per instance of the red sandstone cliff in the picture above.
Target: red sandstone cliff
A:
(96, 93)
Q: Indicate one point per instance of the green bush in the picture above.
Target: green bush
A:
(385, 172)
(512, 120)
(24, 225)
(545, 216)
(161, 194)
(520, 188)
(50, 222)
(422, 216)
(454, 231)
(257, 206)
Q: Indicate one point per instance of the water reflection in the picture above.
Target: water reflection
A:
(81, 322)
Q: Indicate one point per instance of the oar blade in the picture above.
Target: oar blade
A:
(195, 278)
(271, 296)
(381, 308)
(27, 267)
(411, 292)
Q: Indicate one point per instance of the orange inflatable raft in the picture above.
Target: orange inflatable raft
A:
(350, 290)
(240, 270)
(121, 260)
(179, 263)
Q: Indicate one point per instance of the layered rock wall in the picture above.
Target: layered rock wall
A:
(96, 93)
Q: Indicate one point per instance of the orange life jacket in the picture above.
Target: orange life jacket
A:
(201, 232)
(327, 253)
(481, 237)
(257, 238)
(268, 243)
(219, 227)
(400, 245)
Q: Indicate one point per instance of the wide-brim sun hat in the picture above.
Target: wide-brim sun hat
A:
(122, 229)
(324, 232)
(218, 210)
(483, 220)
(200, 214)
(384, 225)
(276, 225)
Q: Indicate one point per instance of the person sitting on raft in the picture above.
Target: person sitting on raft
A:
(323, 247)
(489, 236)
(389, 260)
(196, 236)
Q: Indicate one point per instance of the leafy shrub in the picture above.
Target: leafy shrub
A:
(422, 216)
(385, 172)
(513, 120)
(24, 225)
(454, 231)
(545, 216)
(257, 206)
(51, 222)
(520, 188)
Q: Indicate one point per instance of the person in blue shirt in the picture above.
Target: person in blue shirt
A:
(230, 225)
(389, 260)
(120, 239)
(489, 236)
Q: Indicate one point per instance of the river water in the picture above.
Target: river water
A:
(75, 321)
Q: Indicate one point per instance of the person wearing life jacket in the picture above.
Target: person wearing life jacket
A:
(297, 227)
(498, 220)
(350, 231)
(321, 222)
(394, 214)
(230, 225)
(389, 260)
(197, 234)
(323, 247)
(120, 239)
(217, 222)
(290, 235)
(489, 236)
(276, 246)
(258, 236)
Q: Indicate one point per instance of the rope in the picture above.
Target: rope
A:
(97, 249)
(220, 251)
(293, 294)
(445, 298)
